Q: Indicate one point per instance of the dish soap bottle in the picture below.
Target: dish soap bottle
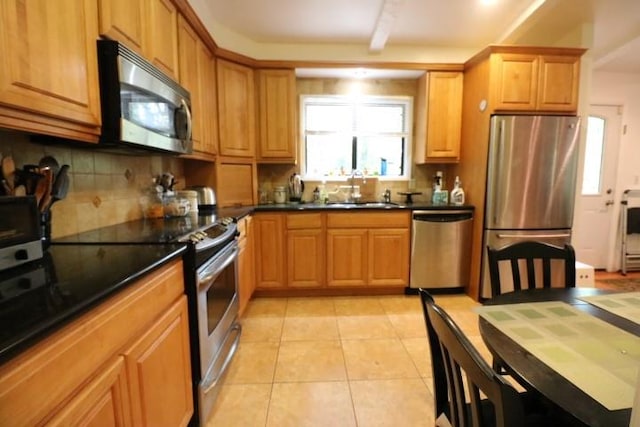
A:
(457, 194)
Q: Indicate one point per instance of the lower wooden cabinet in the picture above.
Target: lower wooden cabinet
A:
(347, 257)
(159, 371)
(103, 402)
(270, 254)
(321, 251)
(389, 257)
(246, 262)
(124, 363)
(305, 250)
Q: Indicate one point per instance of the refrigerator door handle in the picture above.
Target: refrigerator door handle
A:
(498, 205)
(539, 236)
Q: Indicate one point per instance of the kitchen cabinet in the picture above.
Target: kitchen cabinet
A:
(236, 109)
(305, 250)
(149, 27)
(162, 37)
(110, 364)
(277, 112)
(246, 262)
(534, 82)
(438, 117)
(236, 182)
(197, 75)
(347, 252)
(48, 72)
(270, 255)
(162, 395)
(389, 257)
(124, 21)
(368, 249)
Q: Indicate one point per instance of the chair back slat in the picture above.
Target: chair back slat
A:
(530, 261)
(460, 360)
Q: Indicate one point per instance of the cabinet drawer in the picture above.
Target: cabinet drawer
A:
(369, 220)
(304, 220)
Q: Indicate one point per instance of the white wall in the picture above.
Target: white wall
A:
(609, 88)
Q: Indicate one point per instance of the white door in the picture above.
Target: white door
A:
(594, 234)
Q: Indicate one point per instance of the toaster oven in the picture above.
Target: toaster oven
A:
(20, 232)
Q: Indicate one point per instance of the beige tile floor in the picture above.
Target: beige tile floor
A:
(341, 361)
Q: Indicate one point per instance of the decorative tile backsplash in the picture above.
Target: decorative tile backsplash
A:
(104, 189)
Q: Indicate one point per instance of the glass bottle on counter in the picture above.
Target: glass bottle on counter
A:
(457, 194)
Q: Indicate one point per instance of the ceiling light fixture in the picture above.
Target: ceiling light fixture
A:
(388, 14)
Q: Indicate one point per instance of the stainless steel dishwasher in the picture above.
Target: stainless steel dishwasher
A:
(441, 248)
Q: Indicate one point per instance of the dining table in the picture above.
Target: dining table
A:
(557, 355)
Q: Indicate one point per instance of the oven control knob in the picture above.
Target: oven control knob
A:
(226, 220)
(194, 239)
(201, 235)
(22, 255)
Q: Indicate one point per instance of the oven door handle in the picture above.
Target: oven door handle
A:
(212, 270)
(211, 379)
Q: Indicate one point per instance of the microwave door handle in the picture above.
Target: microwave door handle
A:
(188, 114)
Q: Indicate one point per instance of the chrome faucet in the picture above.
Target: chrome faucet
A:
(386, 196)
(355, 173)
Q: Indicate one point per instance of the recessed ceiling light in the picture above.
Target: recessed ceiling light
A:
(360, 73)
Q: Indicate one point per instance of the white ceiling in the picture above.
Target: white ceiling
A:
(376, 25)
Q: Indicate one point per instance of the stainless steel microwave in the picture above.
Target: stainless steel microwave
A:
(141, 106)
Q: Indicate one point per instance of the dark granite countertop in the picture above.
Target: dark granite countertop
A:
(356, 206)
(42, 296)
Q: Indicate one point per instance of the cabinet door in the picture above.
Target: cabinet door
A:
(444, 117)
(389, 257)
(515, 81)
(209, 100)
(104, 402)
(246, 262)
(235, 184)
(305, 258)
(270, 254)
(122, 20)
(236, 109)
(162, 36)
(347, 257)
(277, 115)
(159, 371)
(48, 72)
(559, 80)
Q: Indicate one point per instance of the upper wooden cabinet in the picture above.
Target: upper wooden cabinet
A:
(48, 72)
(149, 27)
(123, 20)
(236, 182)
(236, 109)
(535, 81)
(277, 116)
(438, 117)
(197, 75)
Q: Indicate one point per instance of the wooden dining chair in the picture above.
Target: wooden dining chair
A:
(531, 254)
(453, 359)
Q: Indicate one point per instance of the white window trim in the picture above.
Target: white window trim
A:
(391, 99)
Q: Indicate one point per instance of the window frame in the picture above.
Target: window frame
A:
(353, 100)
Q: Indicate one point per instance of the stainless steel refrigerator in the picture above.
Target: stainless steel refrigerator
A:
(531, 183)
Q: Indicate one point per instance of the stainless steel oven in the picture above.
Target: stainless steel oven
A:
(218, 329)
